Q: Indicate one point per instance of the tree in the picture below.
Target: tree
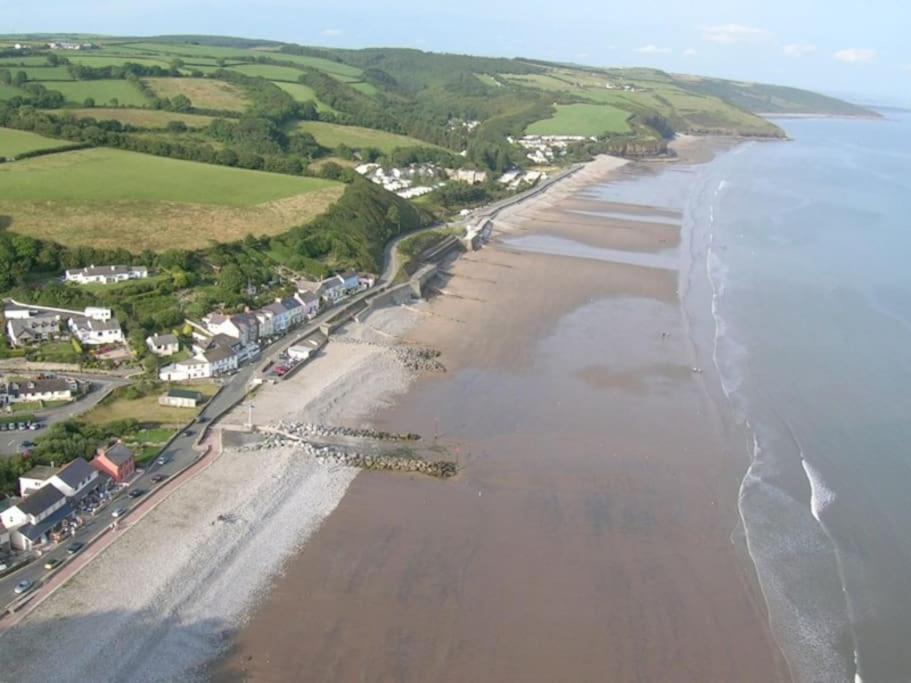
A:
(394, 216)
(231, 279)
(88, 102)
(5, 77)
(177, 127)
(181, 103)
(20, 78)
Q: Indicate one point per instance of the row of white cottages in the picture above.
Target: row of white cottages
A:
(224, 342)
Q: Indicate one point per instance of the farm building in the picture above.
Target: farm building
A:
(181, 398)
(105, 275)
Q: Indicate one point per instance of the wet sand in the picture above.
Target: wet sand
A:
(592, 533)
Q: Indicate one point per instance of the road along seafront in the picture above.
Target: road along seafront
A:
(592, 532)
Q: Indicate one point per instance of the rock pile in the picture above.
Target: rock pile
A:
(306, 431)
(414, 358)
(391, 462)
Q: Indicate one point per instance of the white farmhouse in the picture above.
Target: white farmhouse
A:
(163, 344)
(95, 332)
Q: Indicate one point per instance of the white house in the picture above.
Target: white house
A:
(281, 319)
(265, 318)
(163, 344)
(242, 326)
(47, 389)
(93, 332)
(98, 313)
(221, 359)
(105, 275)
(192, 368)
(75, 478)
(307, 347)
(31, 520)
(37, 477)
(366, 280)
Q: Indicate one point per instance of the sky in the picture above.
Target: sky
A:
(843, 47)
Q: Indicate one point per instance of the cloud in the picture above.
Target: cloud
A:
(798, 50)
(729, 34)
(332, 32)
(689, 52)
(855, 55)
(653, 49)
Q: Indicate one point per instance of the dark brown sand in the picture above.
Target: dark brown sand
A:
(589, 536)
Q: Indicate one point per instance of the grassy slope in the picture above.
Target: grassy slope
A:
(332, 135)
(303, 93)
(141, 118)
(203, 93)
(112, 198)
(15, 142)
(102, 91)
(582, 119)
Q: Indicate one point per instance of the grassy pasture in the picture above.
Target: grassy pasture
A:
(366, 88)
(102, 91)
(146, 410)
(203, 93)
(16, 142)
(270, 71)
(97, 61)
(44, 73)
(141, 118)
(342, 71)
(9, 91)
(112, 198)
(332, 135)
(10, 62)
(303, 93)
(582, 119)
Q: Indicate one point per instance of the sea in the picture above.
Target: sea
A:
(805, 246)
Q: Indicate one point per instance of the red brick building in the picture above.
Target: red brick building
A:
(115, 460)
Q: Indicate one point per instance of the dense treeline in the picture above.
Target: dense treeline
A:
(353, 232)
(81, 72)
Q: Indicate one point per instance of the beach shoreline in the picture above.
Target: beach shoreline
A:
(361, 595)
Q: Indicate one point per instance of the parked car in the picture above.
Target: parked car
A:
(135, 493)
(74, 548)
(52, 563)
(119, 512)
(23, 586)
(159, 478)
(163, 460)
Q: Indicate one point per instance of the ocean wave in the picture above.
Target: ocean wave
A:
(821, 496)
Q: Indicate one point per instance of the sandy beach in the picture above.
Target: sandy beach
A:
(593, 533)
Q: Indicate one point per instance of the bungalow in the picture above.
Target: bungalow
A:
(40, 327)
(43, 389)
(163, 344)
(310, 303)
(181, 398)
(32, 519)
(331, 289)
(105, 275)
(115, 460)
(192, 368)
(350, 281)
(75, 478)
(94, 332)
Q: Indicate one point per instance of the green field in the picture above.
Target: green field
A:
(44, 73)
(270, 71)
(141, 118)
(303, 93)
(10, 62)
(202, 92)
(112, 198)
(332, 135)
(9, 91)
(366, 88)
(104, 92)
(146, 410)
(582, 119)
(16, 142)
(98, 61)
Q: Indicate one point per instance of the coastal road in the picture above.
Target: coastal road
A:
(11, 442)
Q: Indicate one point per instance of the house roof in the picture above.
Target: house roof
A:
(185, 393)
(217, 353)
(164, 339)
(289, 304)
(42, 472)
(35, 531)
(40, 386)
(96, 325)
(307, 296)
(275, 308)
(76, 472)
(92, 271)
(39, 501)
(348, 274)
(118, 454)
